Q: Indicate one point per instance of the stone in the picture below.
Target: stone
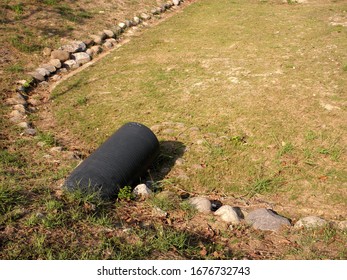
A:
(44, 72)
(179, 161)
(117, 30)
(37, 76)
(62, 70)
(154, 11)
(107, 45)
(141, 190)
(56, 63)
(16, 99)
(17, 114)
(266, 219)
(96, 49)
(202, 204)
(81, 58)
(122, 25)
(176, 2)
(136, 20)
(145, 16)
(23, 125)
(88, 42)
(97, 39)
(76, 46)
(168, 5)
(56, 78)
(163, 8)
(60, 54)
(30, 131)
(228, 214)
(20, 108)
(47, 51)
(109, 33)
(70, 64)
(310, 222)
(342, 225)
(49, 67)
(128, 23)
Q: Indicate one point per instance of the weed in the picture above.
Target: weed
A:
(82, 100)
(311, 135)
(344, 68)
(287, 148)
(189, 209)
(125, 193)
(265, 185)
(10, 197)
(25, 44)
(15, 68)
(18, 8)
(47, 138)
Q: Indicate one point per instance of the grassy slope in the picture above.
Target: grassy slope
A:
(252, 77)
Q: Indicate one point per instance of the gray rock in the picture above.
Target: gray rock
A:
(60, 54)
(163, 8)
(20, 108)
(49, 67)
(202, 204)
(168, 5)
(88, 42)
(97, 39)
(154, 11)
(122, 25)
(310, 222)
(107, 45)
(56, 63)
(145, 16)
(81, 58)
(70, 64)
(179, 161)
(37, 76)
(141, 190)
(16, 98)
(17, 114)
(76, 46)
(30, 131)
(265, 219)
(136, 20)
(62, 70)
(228, 214)
(109, 33)
(176, 2)
(96, 49)
(128, 23)
(117, 30)
(23, 125)
(44, 72)
(342, 225)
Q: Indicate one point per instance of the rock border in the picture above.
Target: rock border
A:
(71, 57)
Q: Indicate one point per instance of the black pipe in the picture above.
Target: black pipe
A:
(120, 161)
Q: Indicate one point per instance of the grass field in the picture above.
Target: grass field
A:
(250, 94)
